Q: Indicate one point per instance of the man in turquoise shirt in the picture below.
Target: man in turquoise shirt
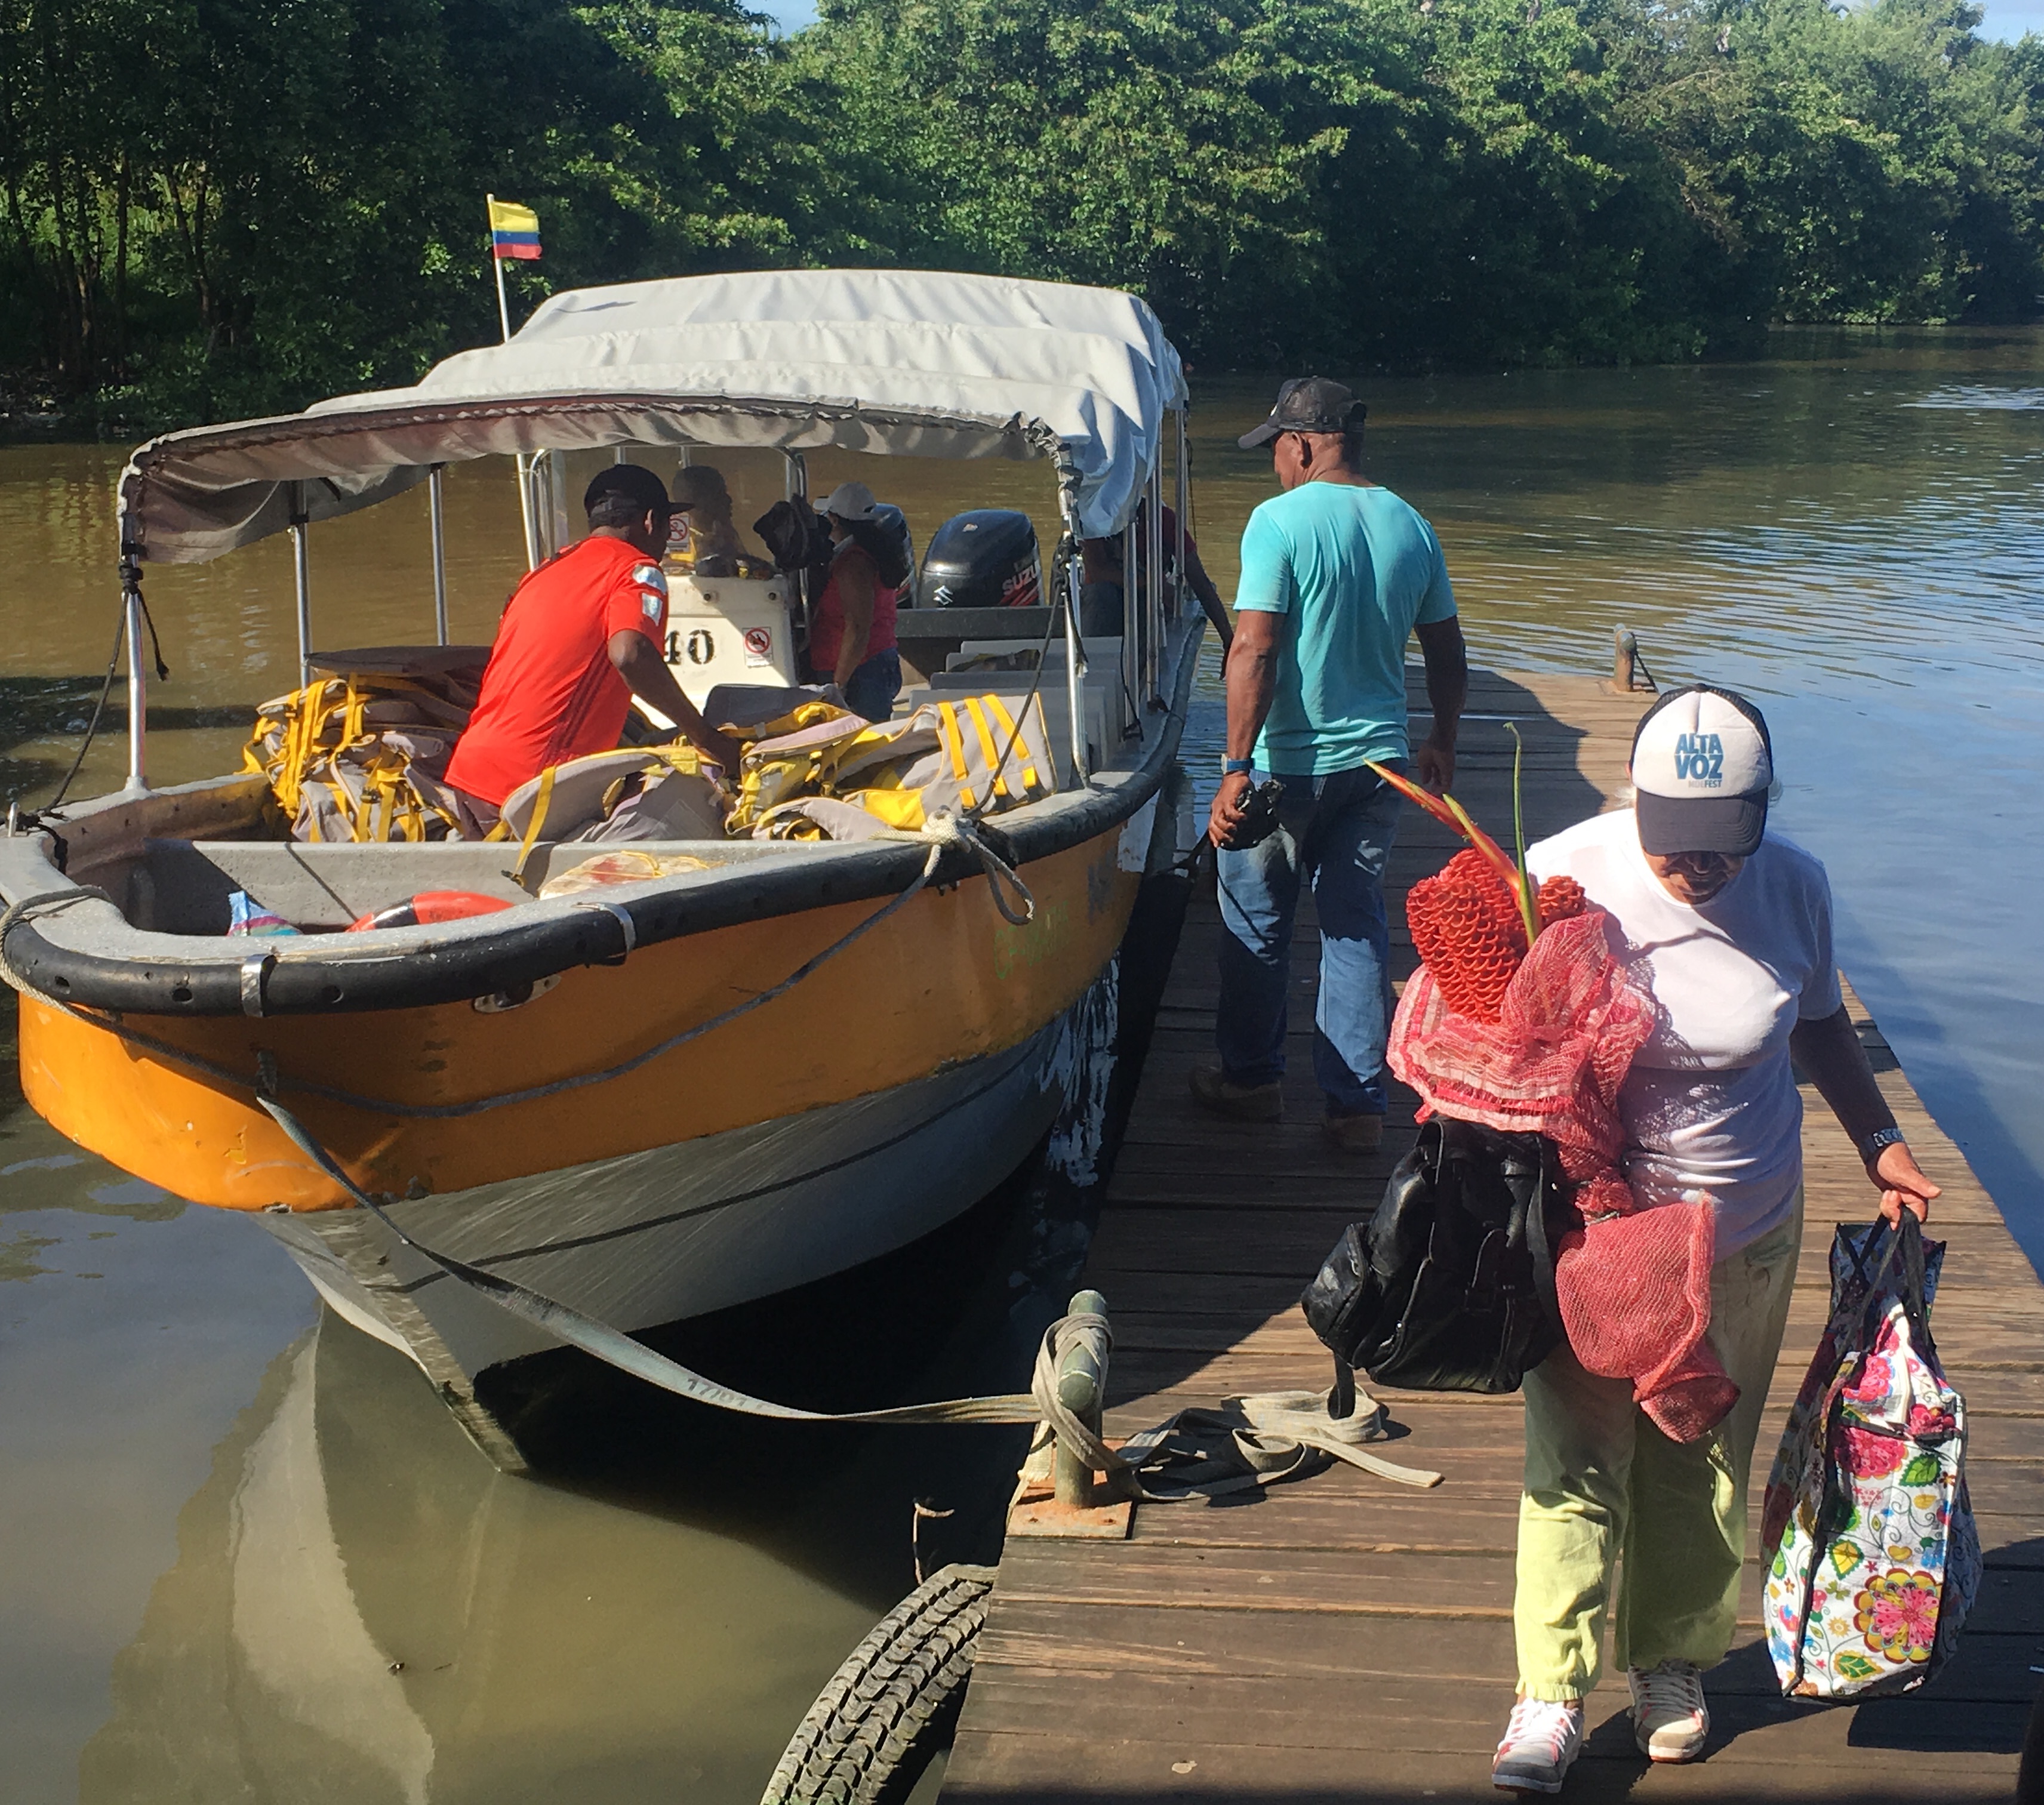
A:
(1337, 574)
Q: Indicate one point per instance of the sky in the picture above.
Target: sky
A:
(2007, 21)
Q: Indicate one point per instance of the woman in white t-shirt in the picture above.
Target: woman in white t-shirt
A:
(1728, 928)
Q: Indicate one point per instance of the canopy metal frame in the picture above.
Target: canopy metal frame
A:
(306, 499)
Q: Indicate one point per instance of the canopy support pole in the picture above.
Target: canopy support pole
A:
(437, 506)
(1074, 657)
(1132, 632)
(525, 511)
(1182, 471)
(138, 701)
(302, 573)
(1153, 590)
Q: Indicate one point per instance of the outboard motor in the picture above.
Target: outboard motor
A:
(984, 558)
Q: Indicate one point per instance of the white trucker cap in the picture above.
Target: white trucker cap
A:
(1702, 767)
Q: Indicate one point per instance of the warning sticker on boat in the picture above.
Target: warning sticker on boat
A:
(758, 645)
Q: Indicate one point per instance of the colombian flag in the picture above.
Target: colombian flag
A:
(514, 230)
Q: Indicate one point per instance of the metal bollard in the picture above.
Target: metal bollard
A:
(1082, 1390)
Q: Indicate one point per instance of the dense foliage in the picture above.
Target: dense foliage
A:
(220, 206)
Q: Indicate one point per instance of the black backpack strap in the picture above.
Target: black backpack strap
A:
(1341, 1401)
(1543, 1258)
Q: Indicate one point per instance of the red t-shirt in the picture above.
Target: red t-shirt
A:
(550, 693)
(827, 623)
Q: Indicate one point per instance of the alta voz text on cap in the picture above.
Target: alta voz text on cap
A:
(1307, 404)
(1702, 769)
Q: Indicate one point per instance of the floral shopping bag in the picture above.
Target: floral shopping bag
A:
(1873, 1559)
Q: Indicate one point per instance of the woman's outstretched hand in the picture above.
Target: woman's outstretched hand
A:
(1901, 1182)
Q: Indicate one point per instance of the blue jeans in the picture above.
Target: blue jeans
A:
(874, 686)
(1334, 833)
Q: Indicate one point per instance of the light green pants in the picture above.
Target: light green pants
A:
(1601, 1479)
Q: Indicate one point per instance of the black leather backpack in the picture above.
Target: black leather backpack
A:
(1449, 1285)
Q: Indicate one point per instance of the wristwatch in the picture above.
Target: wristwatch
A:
(1871, 1145)
(1237, 767)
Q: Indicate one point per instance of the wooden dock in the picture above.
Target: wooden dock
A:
(1344, 1639)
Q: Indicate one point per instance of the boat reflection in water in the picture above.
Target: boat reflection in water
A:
(362, 1611)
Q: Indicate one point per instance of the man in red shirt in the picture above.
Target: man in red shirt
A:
(580, 637)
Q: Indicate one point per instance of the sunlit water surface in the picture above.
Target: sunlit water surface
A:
(250, 1560)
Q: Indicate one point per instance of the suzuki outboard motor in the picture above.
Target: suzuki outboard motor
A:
(985, 558)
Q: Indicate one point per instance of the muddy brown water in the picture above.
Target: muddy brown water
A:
(249, 1559)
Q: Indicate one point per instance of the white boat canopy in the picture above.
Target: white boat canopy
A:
(901, 361)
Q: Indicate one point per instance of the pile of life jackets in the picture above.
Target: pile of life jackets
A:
(821, 773)
(361, 757)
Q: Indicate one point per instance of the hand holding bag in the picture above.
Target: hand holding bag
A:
(1873, 1559)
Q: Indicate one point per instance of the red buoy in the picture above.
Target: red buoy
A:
(429, 909)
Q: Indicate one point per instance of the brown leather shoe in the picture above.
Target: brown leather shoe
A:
(1213, 1089)
(1353, 1133)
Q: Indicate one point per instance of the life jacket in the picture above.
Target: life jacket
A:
(833, 776)
(359, 757)
(636, 792)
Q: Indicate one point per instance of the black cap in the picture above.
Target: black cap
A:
(1307, 404)
(634, 482)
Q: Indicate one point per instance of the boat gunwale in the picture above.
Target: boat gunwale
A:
(462, 960)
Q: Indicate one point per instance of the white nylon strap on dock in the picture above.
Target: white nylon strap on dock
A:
(1255, 1441)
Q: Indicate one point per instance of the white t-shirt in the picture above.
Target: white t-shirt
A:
(1711, 1107)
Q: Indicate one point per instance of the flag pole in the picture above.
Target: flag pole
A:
(496, 263)
(524, 466)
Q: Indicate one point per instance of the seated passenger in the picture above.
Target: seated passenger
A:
(713, 548)
(851, 630)
(580, 637)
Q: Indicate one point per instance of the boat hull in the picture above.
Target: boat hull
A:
(946, 980)
(648, 1238)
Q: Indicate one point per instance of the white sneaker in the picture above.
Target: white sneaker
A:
(1670, 1718)
(1541, 1742)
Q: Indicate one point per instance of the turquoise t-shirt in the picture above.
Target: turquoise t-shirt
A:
(1355, 569)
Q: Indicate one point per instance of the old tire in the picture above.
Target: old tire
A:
(892, 1704)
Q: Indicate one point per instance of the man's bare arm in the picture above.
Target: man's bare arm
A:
(638, 661)
(1447, 654)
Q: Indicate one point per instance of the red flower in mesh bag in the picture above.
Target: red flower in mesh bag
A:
(1522, 1017)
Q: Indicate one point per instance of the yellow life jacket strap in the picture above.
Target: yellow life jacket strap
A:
(539, 820)
(1010, 735)
(952, 736)
(988, 751)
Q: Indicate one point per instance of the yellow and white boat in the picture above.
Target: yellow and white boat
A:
(526, 1087)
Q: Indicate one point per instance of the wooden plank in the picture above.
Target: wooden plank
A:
(1347, 1639)
(1037, 1767)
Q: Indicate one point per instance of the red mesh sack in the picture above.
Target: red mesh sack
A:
(1635, 1297)
(1634, 1285)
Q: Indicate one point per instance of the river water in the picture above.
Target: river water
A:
(252, 1561)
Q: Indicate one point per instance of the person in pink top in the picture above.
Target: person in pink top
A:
(851, 632)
